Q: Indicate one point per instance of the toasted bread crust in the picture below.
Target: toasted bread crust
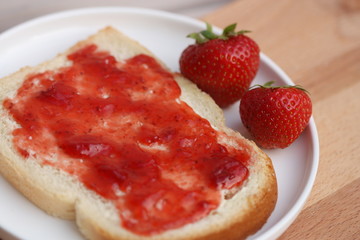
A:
(238, 217)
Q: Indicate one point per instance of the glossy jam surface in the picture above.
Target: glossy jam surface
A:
(121, 128)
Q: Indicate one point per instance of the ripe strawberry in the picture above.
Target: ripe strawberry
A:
(275, 116)
(221, 65)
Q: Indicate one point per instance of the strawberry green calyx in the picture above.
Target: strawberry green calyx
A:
(208, 34)
(229, 31)
(270, 83)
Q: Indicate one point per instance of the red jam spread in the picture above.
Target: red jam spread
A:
(122, 130)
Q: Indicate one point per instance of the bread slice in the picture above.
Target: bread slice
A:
(243, 210)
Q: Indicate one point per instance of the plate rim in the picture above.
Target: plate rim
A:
(287, 219)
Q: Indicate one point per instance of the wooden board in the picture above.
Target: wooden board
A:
(317, 43)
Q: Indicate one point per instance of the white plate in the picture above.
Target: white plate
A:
(163, 33)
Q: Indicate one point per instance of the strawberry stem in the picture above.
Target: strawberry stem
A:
(229, 30)
(208, 34)
(198, 38)
(270, 83)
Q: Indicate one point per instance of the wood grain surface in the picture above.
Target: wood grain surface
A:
(317, 43)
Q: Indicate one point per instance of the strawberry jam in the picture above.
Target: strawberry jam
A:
(122, 130)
